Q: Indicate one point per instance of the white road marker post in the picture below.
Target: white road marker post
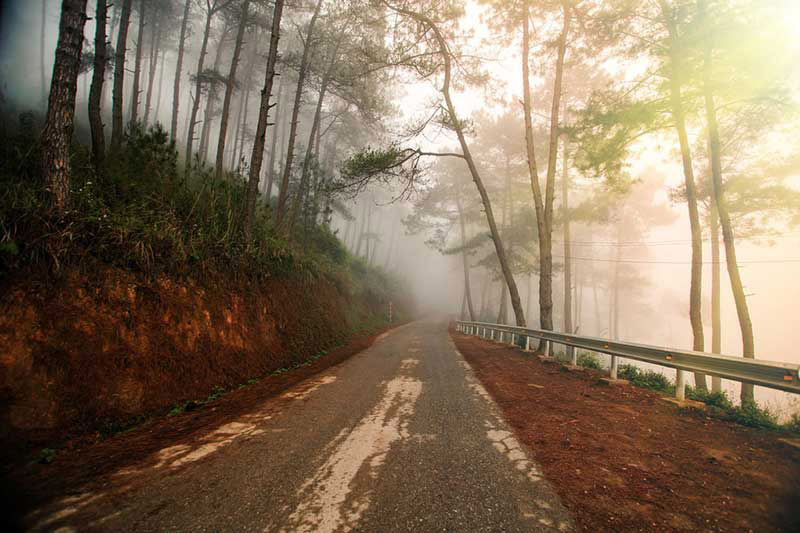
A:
(680, 385)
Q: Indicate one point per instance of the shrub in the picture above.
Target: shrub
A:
(589, 360)
(793, 424)
(645, 378)
(715, 399)
(749, 413)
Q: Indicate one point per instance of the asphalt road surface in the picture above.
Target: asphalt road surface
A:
(401, 437)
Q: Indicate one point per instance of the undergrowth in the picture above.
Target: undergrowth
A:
(146, 214)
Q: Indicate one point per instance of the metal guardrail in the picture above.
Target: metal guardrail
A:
(772, 374)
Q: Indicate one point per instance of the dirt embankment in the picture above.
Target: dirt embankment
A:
(96, 350)
(622, 459)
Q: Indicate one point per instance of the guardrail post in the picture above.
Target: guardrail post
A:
(527, 343)
(680, 385)
(613, 371)
(573, 355)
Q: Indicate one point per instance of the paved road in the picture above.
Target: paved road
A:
(400, 437)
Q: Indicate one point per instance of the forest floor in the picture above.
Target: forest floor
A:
(82, 461)
(623, 459)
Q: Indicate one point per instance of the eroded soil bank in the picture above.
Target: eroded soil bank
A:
(623, 459)
(93, 352)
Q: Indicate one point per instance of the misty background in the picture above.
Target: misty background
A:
(644, 240)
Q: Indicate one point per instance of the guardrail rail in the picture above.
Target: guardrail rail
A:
(771, 374)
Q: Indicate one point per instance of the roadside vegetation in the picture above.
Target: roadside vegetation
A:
(146, 214)
(718, 403)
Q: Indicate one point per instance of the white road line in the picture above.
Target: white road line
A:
(324, 504)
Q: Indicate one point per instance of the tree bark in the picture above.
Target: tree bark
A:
(263, 115)
(137, 70)
(229, 87)
(117, 126)
(742, 311)
(176, 90)
(59, 124)
(678, 114)
(280, 214)
(96, 92)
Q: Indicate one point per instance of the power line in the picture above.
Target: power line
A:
(662, 243)
(653, 262)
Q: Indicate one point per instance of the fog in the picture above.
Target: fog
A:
(631, 247)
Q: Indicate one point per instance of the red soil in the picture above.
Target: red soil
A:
(623, 459)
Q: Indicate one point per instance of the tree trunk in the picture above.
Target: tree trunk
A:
(197, 92)
(544, 207)
(160, 85)
(742, 311)
(528, 300)
(716, 322)
(464, 260)
(357, 251)
(613, 317)
(676, 102)
(241, 117)
(375, 242)
(368, 231)
(117, 127)
(137, 69)
(301, 78)
(176, 90)
(211, 99)
(263, 115)
(229, 87)
(274, 141)
(42, 36)
(313, 134)
(243, 126)
(155, 44)
(484, 297)
(597, 317)
(96, 92)
(568, 327)
(59, 124)
(487, 205)
(390, 248)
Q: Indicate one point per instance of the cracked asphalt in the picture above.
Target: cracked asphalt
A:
(400, 437)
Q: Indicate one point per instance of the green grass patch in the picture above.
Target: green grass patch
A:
(589, 360)
(645, 378)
